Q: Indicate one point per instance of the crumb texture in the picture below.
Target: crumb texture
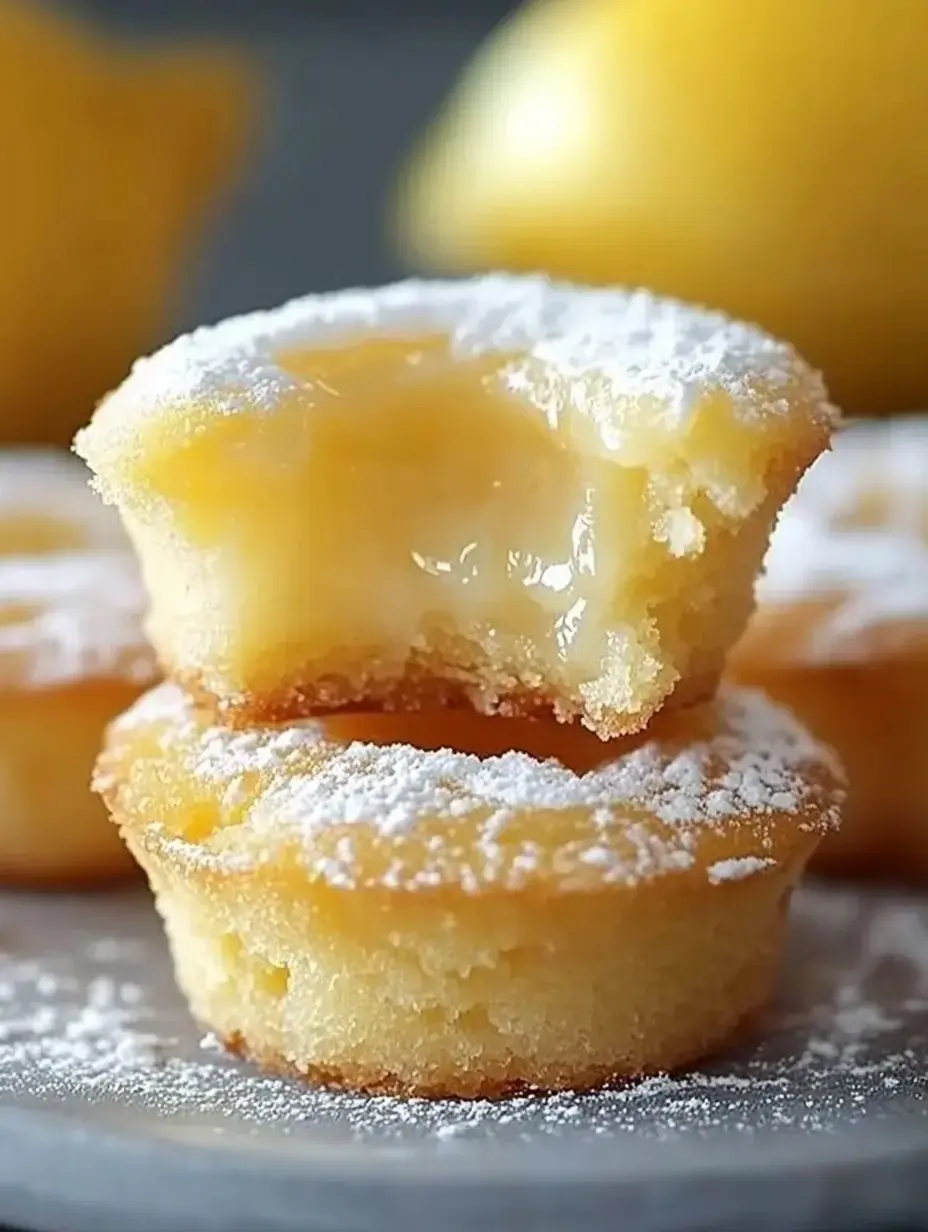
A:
(90, 1013)
(380, 915)
(376, 915)
(384, 903)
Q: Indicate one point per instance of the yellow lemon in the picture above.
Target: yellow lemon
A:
(768, 157)
(111, 158)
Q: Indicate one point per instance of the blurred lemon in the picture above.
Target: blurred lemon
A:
(111, 157)
(769, 157)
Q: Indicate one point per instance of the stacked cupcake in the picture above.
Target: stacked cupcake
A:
(442, 796)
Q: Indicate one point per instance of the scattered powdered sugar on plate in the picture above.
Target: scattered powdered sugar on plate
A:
(89, 1016)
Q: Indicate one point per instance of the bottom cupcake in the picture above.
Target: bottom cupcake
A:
(351, 901)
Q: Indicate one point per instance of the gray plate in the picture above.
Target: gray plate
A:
(116, 1112)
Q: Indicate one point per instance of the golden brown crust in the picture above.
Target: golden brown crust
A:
(206, 907)
(434, 687)
(355, 1078)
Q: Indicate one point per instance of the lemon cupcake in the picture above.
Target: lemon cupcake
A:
(560, 498)
(349, 900)
(72, 655)
(841, 636)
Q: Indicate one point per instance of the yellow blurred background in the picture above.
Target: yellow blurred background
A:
(766, 157)
(114, 156)
(168, 162)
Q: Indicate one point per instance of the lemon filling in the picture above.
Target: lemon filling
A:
(422, 501)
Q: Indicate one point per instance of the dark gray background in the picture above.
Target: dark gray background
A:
(350, 84)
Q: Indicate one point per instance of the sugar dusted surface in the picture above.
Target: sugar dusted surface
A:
(640, 345)
(643, 811)
(53, 484)
(72, 616)
(875, 568)
(738, 868)
(90, 1018)
(71, 599)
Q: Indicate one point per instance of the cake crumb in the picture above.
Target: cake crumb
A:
(90, 1014)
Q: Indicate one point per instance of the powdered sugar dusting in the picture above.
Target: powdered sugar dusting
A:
(71, 599)
(51, 488)
(637, 816)
(89, 1015)
(642, 346)
(72, 615)
(856, 533)
(738, 869)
